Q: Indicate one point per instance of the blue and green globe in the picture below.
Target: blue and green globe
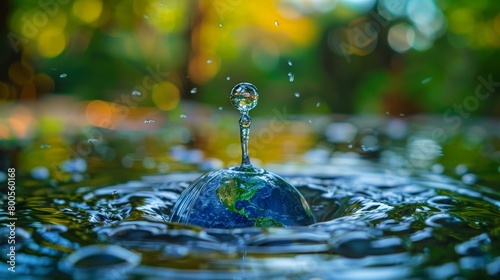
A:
(231, 198)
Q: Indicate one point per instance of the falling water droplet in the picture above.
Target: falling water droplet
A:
(318, 104)
(228, 78)
(92, 140)
(146, 16)
(136, 93)
(183, 116)
(426, 80)
(114, 193)
(220, 24)
(290, 63)
(402, 115)
(310, 121)
(194, 90)
(291, 77)
(387, 113)
(349, 146)
(297, 94)
(149, 121)
(220, 108)
(276, 23)
(64, 75)
(244, 97)
(44, 146)
(209, 61)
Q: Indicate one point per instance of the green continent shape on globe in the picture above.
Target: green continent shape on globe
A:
(232, 191)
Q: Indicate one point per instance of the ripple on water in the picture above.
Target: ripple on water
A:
(368, 224)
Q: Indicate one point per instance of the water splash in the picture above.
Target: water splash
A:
(244, 97)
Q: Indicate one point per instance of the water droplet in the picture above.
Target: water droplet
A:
(290, 63)
(349, 146)
(136, 93)
(276, 23)
(64, 75)
(161, 3)
(194, 90)
(149, 121)
(402, 115)
(114, 193)
(310, 121)
(209, 61)
(44, 146)
(92, 140)
(387, 113)
(291, 77)
(297, 94)
(426, 80)
(220, 108)
(146, 16)
(220, 24)
(183, 116)
(228, 78)
(318, 104)
(244, 97)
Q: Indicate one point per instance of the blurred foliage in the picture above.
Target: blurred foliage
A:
(397, 57)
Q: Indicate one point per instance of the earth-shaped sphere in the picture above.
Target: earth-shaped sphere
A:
(229, 198)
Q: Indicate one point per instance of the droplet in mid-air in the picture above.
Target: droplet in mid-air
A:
(64, 75)
(228, 78)
(290, 63)
(194, 90)
(44, 146)
(291, 77)
(149, 121)
(136, 93)
(243, 196)
(297, 94)
(276, 23)
(220, 108)
(318, 104)
(183, 116)
(244, 97)
(209, 61)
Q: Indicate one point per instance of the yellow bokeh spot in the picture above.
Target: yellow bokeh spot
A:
(166, 96)
(87, 11)
(97, 111)
(461, 21)
(51, 42)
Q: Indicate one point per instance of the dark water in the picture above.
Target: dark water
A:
(375, 221)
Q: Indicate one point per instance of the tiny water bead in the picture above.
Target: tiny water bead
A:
(148, 121)
(194, 90)
(64, 75)
(136, 93)
(243, 196)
